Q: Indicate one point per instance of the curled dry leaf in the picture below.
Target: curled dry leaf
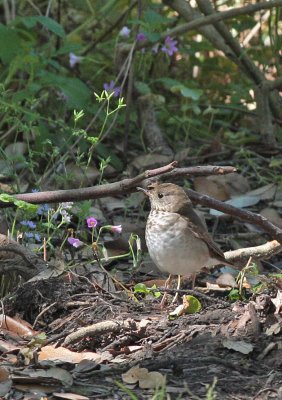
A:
(134, 374)
(61, 354)
(153, 380)
(17, 326)
(146, 379)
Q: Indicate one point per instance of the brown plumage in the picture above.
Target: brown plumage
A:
(177, 240)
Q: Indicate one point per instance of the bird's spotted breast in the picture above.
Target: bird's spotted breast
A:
(170, 247)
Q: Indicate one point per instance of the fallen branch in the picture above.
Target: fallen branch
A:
(117, 188)
(101, 328)
(255, 219)
(263, 251)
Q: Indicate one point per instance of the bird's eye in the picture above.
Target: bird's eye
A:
(160, 195)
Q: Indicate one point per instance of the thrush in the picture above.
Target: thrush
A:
(177, 239)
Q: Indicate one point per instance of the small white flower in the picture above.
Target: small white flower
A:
(125, 32)
(74, 59)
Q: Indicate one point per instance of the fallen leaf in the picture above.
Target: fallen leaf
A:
(239, 345)
(52, 375)
(61, 354)
(272, 215)
(70, 396)
(134, 374)
(226, 280)
(274, 329)
(16, 325)
(153, 380)
(277, 301)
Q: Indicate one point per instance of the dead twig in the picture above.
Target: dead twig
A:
(101, 328)
(244, 215)
(263, 251)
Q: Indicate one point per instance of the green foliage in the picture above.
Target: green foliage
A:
(23, 205)
(141, 288)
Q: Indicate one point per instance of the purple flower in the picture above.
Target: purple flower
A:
(91, 222)
(74, 242)
(74, 59)
(124, 32)
(29, 235)
(42, 209)
(29, 224)
(140, 37)
(170, 46)
(37, 237)
(116, 228)
(110, 88)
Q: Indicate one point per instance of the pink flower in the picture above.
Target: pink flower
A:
(116, 228)
(91, 222)
(74, 242)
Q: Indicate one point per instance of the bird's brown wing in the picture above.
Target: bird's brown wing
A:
(197, 226)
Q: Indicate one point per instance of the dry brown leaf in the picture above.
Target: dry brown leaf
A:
(134, 374)
(16, 325)
(211, 187)
(153, 380)
(145, 161)
(6, 188)
(64, 355)
(226, 280)
(4, 374)
(272, 215)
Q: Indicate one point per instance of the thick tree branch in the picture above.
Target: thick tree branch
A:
(168, 172)
(219, 16)
(117, 188)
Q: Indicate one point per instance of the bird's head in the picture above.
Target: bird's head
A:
(166, 196)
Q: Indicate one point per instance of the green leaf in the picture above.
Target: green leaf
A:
(7, 198)
(234, 295)
(194, 305)
(141, 288)
(26, 206)
(152, 36)
(104, 152)
(47, 22)
(76, 92)
(143, 88)
(10, 44)
(153, 18)
(177, 87)
(193, 94)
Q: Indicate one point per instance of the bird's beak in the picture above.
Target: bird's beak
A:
(145, 191)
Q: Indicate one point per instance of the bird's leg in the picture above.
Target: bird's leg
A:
(178, 287)
(193, 279)
(167, 283)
